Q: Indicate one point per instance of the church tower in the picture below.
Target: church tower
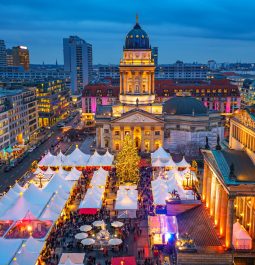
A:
(137, 69)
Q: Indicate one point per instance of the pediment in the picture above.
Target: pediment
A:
(137, 118)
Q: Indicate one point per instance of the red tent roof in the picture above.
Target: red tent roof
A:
(123, 261)
(91, 211)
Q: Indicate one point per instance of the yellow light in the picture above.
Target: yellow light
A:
(29, 228)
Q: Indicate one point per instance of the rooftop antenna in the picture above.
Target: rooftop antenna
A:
(137, 18)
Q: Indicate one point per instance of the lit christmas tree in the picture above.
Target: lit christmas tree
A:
(127, 162)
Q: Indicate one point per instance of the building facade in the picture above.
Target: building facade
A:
(135, 113)
(182, 71)
(2, 54)
(187, 124)
(242, 131)
(228, 181)
(78, 61)
(20, 57)
(138, 112)
(19, 116)
(53, 102)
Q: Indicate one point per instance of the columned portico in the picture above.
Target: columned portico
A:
(229, 222)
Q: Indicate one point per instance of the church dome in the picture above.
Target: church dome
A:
(184, 106)
(137, 38)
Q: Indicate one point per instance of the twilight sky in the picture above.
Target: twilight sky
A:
(188, 30)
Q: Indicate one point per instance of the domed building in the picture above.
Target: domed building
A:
(189, 122)
(136, 112)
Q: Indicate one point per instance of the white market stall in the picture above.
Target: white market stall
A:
(241, 238)
(126, 203)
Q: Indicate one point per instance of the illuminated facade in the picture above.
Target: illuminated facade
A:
(228, 180)
(53, 101)
(20, 56)
(136, 113)
(242, 131)
(18, 116)
(141, 112)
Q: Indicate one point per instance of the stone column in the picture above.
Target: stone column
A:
(121, 80)
(152, 83)
(152, 140)
(213, 195)
(205, 176)
(230, 221)
(142, 139)
(208, 190)
(149, 82)
(223, 212)
(217, 204)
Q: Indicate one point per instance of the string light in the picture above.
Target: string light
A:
(127, 162)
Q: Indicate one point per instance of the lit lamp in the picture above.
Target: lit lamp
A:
(29, 229)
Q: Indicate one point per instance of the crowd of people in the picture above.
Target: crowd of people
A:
(62, 235)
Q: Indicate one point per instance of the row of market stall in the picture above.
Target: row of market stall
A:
(161, 159)
(93, 199)
(28, 214)
(76, 159)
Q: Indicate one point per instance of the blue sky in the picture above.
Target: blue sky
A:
(188, 30)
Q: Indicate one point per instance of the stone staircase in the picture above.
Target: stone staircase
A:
(204, 259)
(175, 208)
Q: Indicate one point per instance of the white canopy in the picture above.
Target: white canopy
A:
(9, 248)
(159, 191)
(75, 258)
(49, 214)
(93, 198)
(57, 182)
(33, 245)
(241, 238)
(17, 188)
(126, 200)
(38, 171)
(47, 160)
(183, 163)
(101, 160)
(99, 177)
(160, 153)
(78, 158)
(49, 171)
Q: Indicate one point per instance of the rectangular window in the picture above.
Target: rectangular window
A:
(157, 133)
(117, 132)
(147, 133)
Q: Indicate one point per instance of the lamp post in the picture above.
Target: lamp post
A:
(40, 176)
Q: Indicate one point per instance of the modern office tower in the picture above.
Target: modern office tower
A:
(154, 52)
(78, 61)
(2, 53)
(9, 57)
(21, 57)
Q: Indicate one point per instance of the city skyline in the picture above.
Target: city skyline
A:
(183, 30)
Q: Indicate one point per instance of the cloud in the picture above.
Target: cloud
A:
(39, 23)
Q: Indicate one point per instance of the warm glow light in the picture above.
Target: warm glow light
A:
(29, 228)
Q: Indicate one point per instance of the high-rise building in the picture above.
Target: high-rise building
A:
(78, 61)
(21, 57)
(154, 52)
(2, 53)
(9, 57)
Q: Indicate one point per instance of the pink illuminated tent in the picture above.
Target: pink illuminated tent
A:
(241, 238)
